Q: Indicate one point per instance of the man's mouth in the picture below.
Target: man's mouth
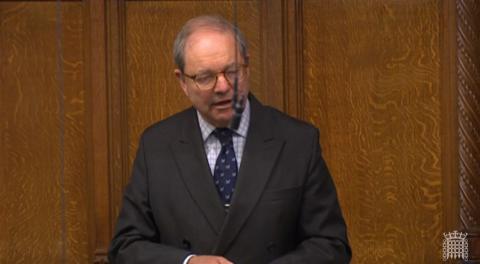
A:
(223, 103)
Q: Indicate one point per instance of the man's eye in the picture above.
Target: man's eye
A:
(231, 74)
(203, 79)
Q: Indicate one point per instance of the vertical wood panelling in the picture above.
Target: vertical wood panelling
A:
(75, 151)
(271, 53)
(98, 151)
(80, 80)
(449, 125)
(117, 112)
(371, 72)
(43, 178)
(293, 57)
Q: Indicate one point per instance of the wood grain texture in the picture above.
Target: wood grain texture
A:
(271, 52)
(468, 55)
(43, 178)
(371, 71)
(367, 72)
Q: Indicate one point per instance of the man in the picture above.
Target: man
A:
(203, 193)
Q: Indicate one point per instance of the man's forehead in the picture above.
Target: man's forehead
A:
(209, 46)
(206, 34)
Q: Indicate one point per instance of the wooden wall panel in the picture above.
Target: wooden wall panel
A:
(80, 80)
(371, 72)
(43, 178)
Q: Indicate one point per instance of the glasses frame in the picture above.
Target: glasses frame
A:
(192, 77)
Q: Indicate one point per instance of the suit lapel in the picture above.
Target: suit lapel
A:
(194, 170)
(261, 152)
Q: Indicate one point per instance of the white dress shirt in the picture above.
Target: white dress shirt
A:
(213, 146)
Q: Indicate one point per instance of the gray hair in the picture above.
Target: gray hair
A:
(214, 22)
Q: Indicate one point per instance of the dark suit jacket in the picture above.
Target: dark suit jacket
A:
(284, 209)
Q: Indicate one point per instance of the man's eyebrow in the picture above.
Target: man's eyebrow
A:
(204, 71)
(230, 65)
(210, 71)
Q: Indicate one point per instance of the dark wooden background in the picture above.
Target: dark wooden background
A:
(394, 87)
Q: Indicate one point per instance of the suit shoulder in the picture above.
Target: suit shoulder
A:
(168, 127)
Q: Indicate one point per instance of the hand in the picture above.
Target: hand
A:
(209, 260)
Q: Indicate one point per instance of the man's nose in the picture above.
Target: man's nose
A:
(222, 85)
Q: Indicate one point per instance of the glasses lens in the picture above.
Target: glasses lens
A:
(238, 72)
(205, 82)
(230, 75)
(208, 81)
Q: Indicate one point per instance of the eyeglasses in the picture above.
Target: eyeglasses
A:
(208, 80)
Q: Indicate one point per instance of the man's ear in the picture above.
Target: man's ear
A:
(181, 80)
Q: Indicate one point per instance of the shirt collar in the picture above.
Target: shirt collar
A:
(207, 128)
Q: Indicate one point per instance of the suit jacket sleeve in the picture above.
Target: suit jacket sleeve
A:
(322, 230)
(136, 238)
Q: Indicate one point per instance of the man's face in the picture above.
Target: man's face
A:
(208, 52)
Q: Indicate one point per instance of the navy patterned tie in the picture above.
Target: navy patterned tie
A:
(225, 172)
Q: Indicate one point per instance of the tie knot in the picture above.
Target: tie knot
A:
(223, 134)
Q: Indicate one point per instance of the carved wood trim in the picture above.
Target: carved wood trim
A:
(468, 76)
